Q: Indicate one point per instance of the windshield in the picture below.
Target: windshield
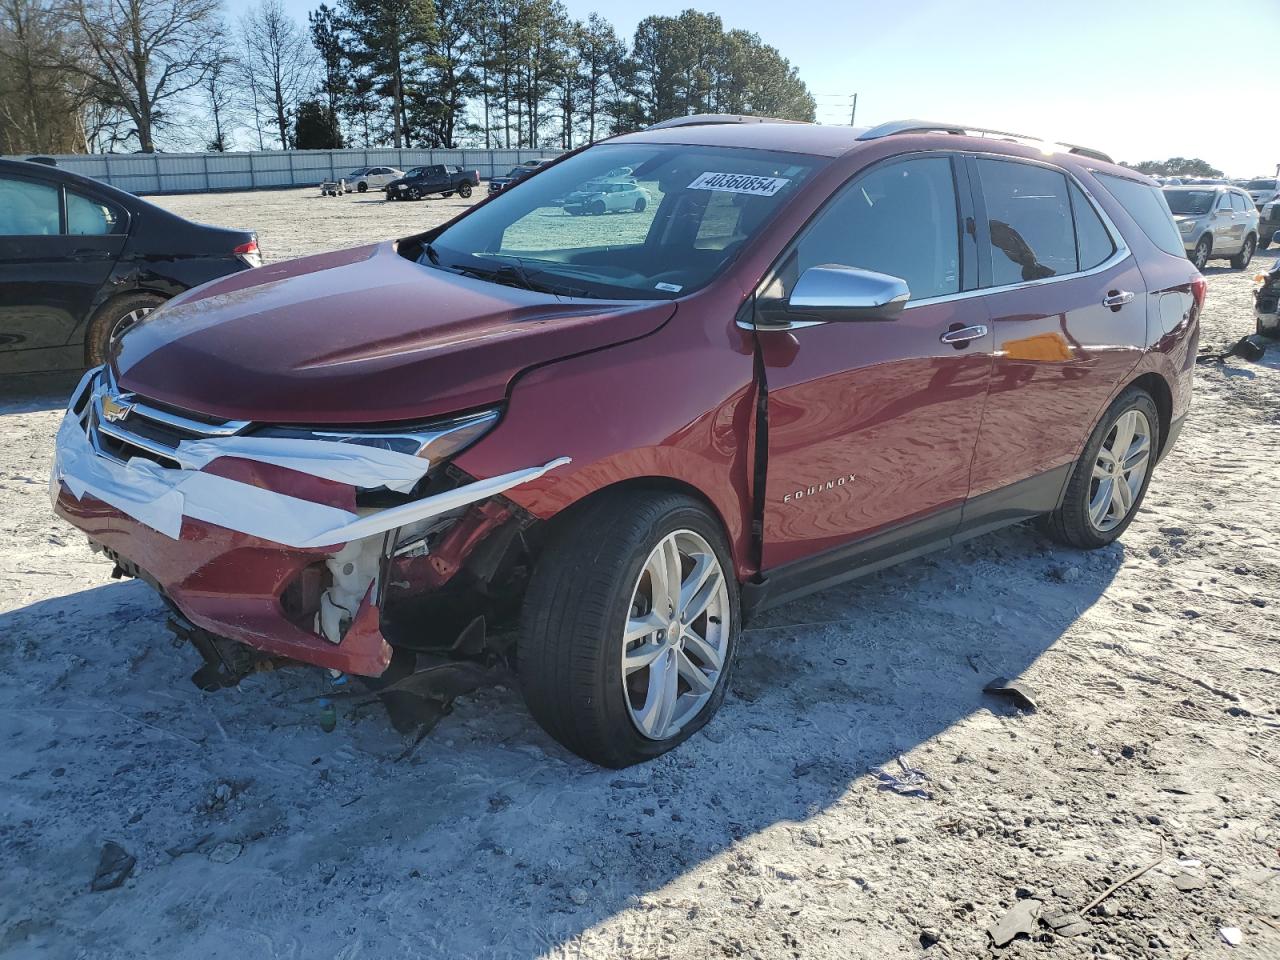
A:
(1261, 185)
(514, 172)
(1190, 203)
(414, 171)
(683, 213)
(358, 172)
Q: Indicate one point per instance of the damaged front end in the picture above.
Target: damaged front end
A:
(321, 545)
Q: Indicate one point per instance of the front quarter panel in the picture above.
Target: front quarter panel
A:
(675, 406)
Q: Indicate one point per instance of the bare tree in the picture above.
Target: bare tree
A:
(280, 63)
(145, 55)
(221, 99)
(40, 105)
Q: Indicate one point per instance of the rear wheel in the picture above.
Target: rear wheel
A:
(113, 321)
(1200, 255)
(629, 627)
(464, 191)
(1242, 259)
(1111, 477)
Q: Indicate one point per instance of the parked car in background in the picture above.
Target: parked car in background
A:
(1266, 301)
(364, 179)
(515, 175)
(794, 368)
(1215, 221)
(1263, 190)
(80, 262)
(1268, 224)
(440, 178)
(607, 196)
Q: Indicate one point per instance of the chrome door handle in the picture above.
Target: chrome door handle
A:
(963, 335)
(1117, 298)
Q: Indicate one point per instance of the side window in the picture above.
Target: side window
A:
(87, 217)
(1224, 201)
(1237, 203)
(1031, 224)
(1093, 242)
(1149, 208)
(899, 219)
(28, 209)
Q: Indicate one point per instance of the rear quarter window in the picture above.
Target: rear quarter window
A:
(1149, 210)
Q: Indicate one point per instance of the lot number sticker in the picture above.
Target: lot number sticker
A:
(739, 183)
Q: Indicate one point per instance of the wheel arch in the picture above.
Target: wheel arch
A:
(1157, 387)
(649, 484)
(134, 291)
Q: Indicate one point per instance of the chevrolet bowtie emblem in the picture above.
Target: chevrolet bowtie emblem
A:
(116, 408)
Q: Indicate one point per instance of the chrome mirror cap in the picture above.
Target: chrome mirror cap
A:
(836, 292)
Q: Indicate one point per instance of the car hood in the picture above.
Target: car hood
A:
(359, 336)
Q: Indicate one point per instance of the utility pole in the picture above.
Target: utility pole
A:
(853, 114)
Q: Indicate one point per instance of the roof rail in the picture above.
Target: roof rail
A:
(961, 129)
(705, 119)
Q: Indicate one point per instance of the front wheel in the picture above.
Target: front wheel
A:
(1200, 255)
(362, 187)
(464, 191)
(629, 627)
(1111, 477)
(640, 205)
(1241, 259)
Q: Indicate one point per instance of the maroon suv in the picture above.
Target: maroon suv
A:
(817, 351)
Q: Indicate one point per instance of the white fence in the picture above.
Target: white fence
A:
(202, 172)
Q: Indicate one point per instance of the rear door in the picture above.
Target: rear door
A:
(1224, 224)
(872, 425)
(57, 249)
(1067, 306)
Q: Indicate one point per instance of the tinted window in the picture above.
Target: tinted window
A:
(1093, 242)
(899, 219)
(28, 209)
(1261, 185)
(87, 217)
(1030, 217)
(1189, 203)
(1148, 208)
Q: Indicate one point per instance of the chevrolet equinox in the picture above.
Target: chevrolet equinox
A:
(817, 351)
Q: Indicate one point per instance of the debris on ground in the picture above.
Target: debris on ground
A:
(1019, 920)
(1186, 882)
(225, 852)
(1018, 693)
(908, 782)
(1232, 935)
(114, 866)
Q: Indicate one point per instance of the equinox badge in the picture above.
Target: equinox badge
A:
(820, 487)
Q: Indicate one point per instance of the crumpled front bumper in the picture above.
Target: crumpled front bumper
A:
(244, 534)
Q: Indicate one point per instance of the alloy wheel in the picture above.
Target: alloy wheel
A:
(1118, 472)
(126, 323)
(677, 635)
(1201, 255)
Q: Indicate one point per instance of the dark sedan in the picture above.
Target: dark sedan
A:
(515, 175)
(81, 261)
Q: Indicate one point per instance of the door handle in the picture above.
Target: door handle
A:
(960, 336)
(89, 253)
(1115, 299)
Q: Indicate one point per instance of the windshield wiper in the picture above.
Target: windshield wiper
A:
(514, 274)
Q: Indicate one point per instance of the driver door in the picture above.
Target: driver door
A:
(872, 425)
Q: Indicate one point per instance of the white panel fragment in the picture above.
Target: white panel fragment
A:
(360, 466)
(160, 497)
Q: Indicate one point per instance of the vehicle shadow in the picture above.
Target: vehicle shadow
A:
(489, 840)
(28, 392)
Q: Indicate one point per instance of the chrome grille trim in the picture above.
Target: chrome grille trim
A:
(199, 428)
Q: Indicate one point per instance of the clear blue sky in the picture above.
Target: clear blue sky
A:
(1140, 79)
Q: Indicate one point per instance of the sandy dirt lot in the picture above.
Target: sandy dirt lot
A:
(857, 797)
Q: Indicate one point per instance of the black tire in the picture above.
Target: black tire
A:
(415, 194)
(1070, 523)
(1243, 258)
(578, 602)
(597, 208)
(1200, 255)
(464, 191)
(111, 316)
(641, 203)
(1264, 241)
(362, 187)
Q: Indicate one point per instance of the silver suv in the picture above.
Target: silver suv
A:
(1262, 191)
(1215, 221)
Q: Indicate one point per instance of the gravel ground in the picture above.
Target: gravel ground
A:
(858, 795)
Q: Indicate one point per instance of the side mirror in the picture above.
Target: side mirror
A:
(833, 292)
